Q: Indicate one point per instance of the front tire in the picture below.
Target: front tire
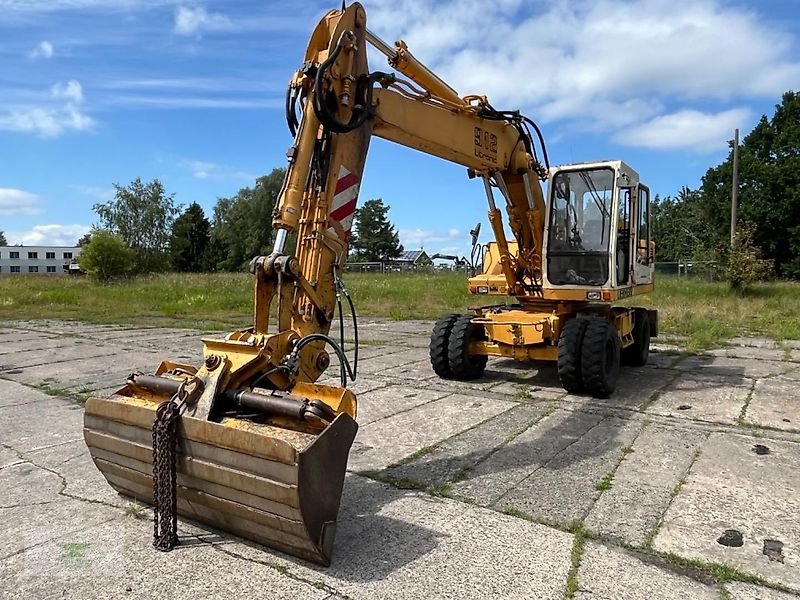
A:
(464, 366)
(569, 354)
(600, 357)
(440, 342)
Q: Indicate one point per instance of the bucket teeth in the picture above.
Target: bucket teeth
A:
(272, 485)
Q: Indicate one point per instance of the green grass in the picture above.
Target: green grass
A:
(606, 483)
(576, 555)
(703, 313)
(707, 313)
(80, 397)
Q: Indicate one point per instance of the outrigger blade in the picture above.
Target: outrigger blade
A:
(256, 476)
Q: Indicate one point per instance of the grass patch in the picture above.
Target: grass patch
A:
(576, 555)
(424, 451)
(707, 313)
(627, 450)
(444, 490)
(135, 511)
(648, 542)
(606, 483)
(515, 512)
(741, 419)
(720, 572)
(80, 397)
(702, 313)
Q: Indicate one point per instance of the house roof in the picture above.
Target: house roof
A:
(410, 255)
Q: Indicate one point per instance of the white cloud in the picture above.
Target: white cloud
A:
(195, 20)
(101, 193)
(208, 170)
(43, 50)
(72, 91)
(690, 129)
(14, 202)
(48, 235)
(599, 64)
(61, 111)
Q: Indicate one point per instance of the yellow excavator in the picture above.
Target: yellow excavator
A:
(246, 441)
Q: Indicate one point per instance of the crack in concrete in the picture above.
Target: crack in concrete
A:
(613, 472)
(49, 540)
(542, 466)
(55, 362)
(62, 479)
(651, 536)
(40, 448)
(741, 418)
(283, 570)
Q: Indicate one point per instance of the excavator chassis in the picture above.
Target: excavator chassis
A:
(588, 342)
(256, 476)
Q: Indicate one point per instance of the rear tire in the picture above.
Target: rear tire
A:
(569, 354)
(440, 341)
(600, 357)
(464, 366)
(638, 352)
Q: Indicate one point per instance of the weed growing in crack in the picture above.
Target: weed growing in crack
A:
(606, 483)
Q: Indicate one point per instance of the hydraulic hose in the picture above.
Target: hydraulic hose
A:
(322, 110)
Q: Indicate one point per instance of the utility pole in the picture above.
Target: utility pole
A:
(735, 186)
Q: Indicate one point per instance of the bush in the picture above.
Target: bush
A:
(743, 262)
(107, 257)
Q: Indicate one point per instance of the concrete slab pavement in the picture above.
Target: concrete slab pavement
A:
(647, 486)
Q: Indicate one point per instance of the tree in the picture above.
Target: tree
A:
(680, 229)
(191, 237)
(85, 239)
(374, 238)
(769, 194)
(3, 241)
(107, 256)
(142, 215)
(242, 225)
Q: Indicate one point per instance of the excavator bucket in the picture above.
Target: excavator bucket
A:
(256, 476)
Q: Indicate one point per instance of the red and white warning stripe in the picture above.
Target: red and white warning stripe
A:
(343, 207)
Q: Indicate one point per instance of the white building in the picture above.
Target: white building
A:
(48, 260)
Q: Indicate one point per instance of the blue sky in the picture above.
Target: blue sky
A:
(102, 91)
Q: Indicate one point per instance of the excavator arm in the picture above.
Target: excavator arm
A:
(343, 104)
(247, 441)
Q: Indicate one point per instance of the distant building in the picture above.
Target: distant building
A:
(44, 260)
(411, 259)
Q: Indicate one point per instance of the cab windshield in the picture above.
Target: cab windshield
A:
(580, 227)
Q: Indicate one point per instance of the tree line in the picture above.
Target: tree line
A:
(695, 224)
(143, 230)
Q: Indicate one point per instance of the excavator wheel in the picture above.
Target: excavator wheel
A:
(569, 354)
(600, 357)
(465, 366)
(636, 354)
(440, 340)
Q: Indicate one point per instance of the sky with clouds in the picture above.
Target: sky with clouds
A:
(96, 92)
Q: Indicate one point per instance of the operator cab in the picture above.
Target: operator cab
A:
(598, 232)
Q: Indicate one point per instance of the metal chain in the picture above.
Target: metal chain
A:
(165, 497)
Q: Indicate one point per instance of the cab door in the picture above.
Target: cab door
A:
(644, 259)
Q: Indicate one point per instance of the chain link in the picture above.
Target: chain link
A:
(165, 497)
